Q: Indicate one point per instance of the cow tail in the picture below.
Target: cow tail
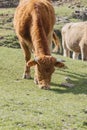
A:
(56, 42)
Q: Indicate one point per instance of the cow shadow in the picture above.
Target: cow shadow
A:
(80, 84)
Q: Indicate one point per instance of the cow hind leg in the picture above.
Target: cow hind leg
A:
(27, 55)
(50, 36)
(84, 52)
(83, 48)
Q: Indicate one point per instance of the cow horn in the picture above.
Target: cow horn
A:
(60, 60)
(36, 59)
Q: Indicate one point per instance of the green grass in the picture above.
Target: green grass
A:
(23, 106)
(63, 10)
(7, 10)
(84, 2)
(7, 33)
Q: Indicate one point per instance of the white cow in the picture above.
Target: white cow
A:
(74, 39)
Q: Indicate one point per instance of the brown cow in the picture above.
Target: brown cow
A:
(33, 22)
(74, 38)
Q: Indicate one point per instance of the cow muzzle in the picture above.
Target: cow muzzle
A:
(45, 87)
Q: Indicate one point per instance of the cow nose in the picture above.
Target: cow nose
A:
(46, 87)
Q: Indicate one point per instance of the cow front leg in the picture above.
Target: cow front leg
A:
(75, 55)
(66, 53)
(26, 74)
(35, 76)
(27, 55)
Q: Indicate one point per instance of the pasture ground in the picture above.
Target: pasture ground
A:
(23, 106)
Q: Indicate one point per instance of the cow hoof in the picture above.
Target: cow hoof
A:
(26, 76)
(55, 50)
(35, 81)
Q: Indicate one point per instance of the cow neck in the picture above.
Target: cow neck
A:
(38, 33)
(40, 45)
(39, 40)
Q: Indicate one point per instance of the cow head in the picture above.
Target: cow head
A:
(44, 67)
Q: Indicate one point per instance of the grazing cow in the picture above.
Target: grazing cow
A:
(74, 38)
(33, 22)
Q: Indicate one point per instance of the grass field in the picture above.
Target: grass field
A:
(23, 106)
(7, 33)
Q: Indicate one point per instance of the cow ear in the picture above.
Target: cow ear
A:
(31, 63)
(59, 64)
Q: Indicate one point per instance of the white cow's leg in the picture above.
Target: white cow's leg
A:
(82, 56)
(84, 52)
(27, 56)
(75, 55)
(66, 53)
